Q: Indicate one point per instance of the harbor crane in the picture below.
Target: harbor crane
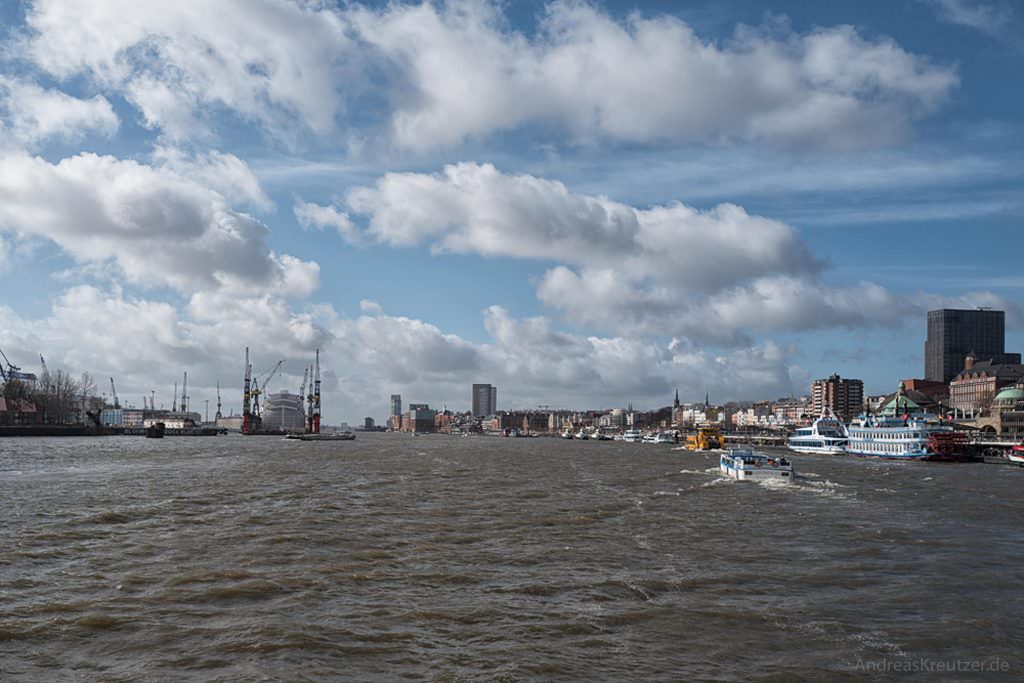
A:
(218, 415)
(265, 382)
(249, 421)
(184, 396)
(113, 393)
(13, 371)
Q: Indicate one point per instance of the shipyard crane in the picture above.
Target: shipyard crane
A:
(314, 426)
(218, 415)
(184, 396)
(113, 392)
(42, 362)
(264, 382)
(250, 422)
(12, 371)
(302, 387)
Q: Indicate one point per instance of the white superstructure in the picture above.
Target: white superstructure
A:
(744, 465)
(826, 436)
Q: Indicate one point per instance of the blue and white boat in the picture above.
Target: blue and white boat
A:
(826, 436)
(745, 465)
(905, 437)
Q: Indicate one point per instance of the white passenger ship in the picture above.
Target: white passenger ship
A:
(744, 465)
(904, 431)
(826, 436)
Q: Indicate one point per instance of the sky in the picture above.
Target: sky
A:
(587, 204)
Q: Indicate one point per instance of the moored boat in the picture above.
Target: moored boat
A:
(324, 436)
(907, 437)
(632, 435)
(1016, 454)
(826, 436)
(745, 465)
(155, 430)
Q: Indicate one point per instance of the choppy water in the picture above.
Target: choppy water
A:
(446, 559)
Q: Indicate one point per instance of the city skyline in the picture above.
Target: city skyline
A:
(437, 193)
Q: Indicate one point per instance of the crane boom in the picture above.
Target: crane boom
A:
(113, 393)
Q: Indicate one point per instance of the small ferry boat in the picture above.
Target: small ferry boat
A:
(632, 435)
(826, 436)
(745, 465)
(156, 430)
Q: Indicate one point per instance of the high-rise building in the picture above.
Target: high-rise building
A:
(484, 399)
(844, 396)
(396, 404)
(954, 333)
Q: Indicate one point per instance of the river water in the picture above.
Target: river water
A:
(446, 559)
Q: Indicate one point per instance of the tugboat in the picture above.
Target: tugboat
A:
(155, 430)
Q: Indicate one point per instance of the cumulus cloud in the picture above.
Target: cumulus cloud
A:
(474, 208)
(220, 171)
(370, 356)
(158, 227)
(829, 87)
(278, 63)
(272, 62)
(31, 114)
(320, 217)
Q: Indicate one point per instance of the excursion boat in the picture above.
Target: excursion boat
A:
(904, 430)
(745, 465)
(632, 435)
(906, 437)
(826, 436)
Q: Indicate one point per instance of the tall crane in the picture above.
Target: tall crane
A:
(315, 421)
(218, 415)
(13, 371)
(174, 399)
(302, 387)
(184, 396)
(249, 421)
(42, 362)
(113, 392)
(264, 382)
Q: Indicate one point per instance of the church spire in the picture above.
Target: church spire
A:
(675, 400)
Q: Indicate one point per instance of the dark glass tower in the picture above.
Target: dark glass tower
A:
(953, 333)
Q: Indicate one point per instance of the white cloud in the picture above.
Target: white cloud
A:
(367, 357)
(474, 208)
(320, 217)
(826, 88)
(34, 114)
(987, 17)
(370, 307)
(220, 171)
(271, 62)
(160, 228)
(279, 63)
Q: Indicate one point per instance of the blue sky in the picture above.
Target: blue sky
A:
(586, 204)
